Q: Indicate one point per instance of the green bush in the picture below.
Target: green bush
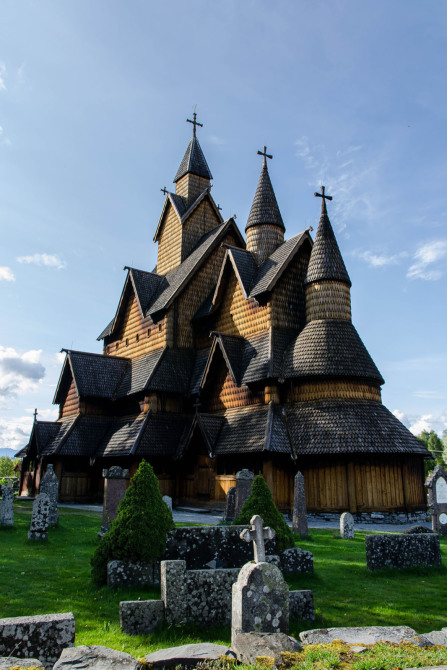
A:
(260, 501)
(139, 531)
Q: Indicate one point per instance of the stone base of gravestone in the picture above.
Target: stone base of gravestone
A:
(115, 485)
(230, 505)
(244, 482)
(50, 486)
(260, 600)
(140, 617)
(7, 506)
(39, 518)
(299, 517)
(347, 526)
(248, 647)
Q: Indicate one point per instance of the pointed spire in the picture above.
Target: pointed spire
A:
(264, 209)
(193, 161)
(326, 261)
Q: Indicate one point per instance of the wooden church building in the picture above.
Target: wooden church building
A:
(233, 353)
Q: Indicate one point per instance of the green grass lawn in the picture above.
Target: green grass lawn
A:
(41, 578)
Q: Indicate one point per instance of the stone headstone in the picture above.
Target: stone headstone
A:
(230, 505)
(260, 601)
(39, 519)
(347, 526)
(7, 506)
(43, 636)
(115, 485)
(437, 499)
(299, 516)
(168, 501)
(50, 486)
(258, 534)
(244, 482)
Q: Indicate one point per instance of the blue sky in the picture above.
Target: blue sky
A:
(94, 95)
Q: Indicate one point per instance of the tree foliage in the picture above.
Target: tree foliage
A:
(7, 466)
(260, 501)
(436, 446)
(139, 531)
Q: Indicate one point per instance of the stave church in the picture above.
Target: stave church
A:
(232, 353)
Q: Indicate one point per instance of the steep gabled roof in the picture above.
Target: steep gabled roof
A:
(326, 261)
(121, 436)
(198, 371)
(175, 280)
(270, 271)
(231, 347)
(95, 375)
(173, 373)
(163, 433)
(182, 211)
(264, 209)
(85, 436)
(262, 427)
(193, 162)
(330, 348)
(57, 434)
(348, 426)
(138, 373)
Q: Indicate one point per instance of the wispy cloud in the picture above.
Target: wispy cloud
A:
(429, 395)
(428, 259)
(49, 260)
(6, 274)
(14, 433)
(214, 139)
(19, 373)
(2, 77)
(420, 422)
(377, 260)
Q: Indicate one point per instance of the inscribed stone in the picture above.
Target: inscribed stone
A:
(230, 505)
(168, 501)
(50, 486)
(437, 499)
(244, 481)
(299, 507)
(115, 485)
(39, 519)
(7, 506)
(347, 526)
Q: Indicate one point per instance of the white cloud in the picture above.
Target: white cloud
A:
(45, 414)
(420, 422)
(59, 357)
(14, 433)
(6, 274)
(429, 254)
(48, 260)
(19, 373)
(214, 139)
(380, 260)
(2, 77)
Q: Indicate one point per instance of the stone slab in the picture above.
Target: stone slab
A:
(138, 617)
(186, 654)
(7, 662)
(437, 637)
(364, 635)
(301, 605)
(125, 574)
(250, 646)
(402, 551)
(95, 657)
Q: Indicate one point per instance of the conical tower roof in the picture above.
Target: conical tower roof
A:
(264, 209)
(193, 162)
(326, 261)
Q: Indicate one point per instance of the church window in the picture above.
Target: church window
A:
(159, 327)
(148, 332)
(137, 337)
(117, 345)
(127, 341)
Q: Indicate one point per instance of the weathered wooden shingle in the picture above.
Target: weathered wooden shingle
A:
(272, 268)
(326, 261)
(193, 162)
(95, 375)
(264, 209)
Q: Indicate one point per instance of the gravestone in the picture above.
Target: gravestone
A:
(437, 499)
(39, 519)
(115, 485)
(168, 501)
(50, 486)
(260, 599)
(299, 507)
(244, 482)
(7, 506)
(347, 526)
(230, 505)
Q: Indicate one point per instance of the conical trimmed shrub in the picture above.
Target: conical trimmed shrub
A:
(260, 501)
(139, 531)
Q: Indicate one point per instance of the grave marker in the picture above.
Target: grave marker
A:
(347, 526)
(258, 534)
(115, 485)
(50, 486)
(7, 506)
(244, 482)
(230, 505)
(437, 499)
(39, 519)
(299, 507)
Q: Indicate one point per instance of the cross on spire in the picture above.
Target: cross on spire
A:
(194, 123)
(257, 535)
(324, 198)
(35, 414)
(265, 154)
(164, 190)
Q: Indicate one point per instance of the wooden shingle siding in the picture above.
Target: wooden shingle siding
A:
(191, 186)
(262, 241)
(134, 329)
(238, 316)
(71, 404)
(225, 393)
(335, 389)
(288, 298)
(328, 300)
(201, 221)
(170, 243)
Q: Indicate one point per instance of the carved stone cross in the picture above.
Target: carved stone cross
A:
(257, 535)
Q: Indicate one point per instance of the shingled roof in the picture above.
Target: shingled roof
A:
(326, 261)
(264, 209)
(330, 348)
(46, 436)
(95, 375)
(262, 427)
(183, 211)
(348, 426)
(193, 162)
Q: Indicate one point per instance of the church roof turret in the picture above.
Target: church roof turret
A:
(264, 209)
(326, 261)
(193, 162)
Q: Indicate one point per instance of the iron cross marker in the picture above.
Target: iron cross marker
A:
(257, 535)
(194, 123)
(322, 195)
(164, 190)
(265, 154)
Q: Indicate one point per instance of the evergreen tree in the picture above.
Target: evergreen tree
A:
(139, 531)
(260, 501)
(436, 447)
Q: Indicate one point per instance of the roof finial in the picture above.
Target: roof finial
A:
(194, 123)
(324, 198)
(35, 415)
(266, 155)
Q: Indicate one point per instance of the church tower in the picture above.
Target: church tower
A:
(265, 228)
(193, 175)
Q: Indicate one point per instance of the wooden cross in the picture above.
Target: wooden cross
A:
(219, 208)
(164, 190)
(322, 195)
(265, 154)
(257, 535)
(194, 123)
(35, 414)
